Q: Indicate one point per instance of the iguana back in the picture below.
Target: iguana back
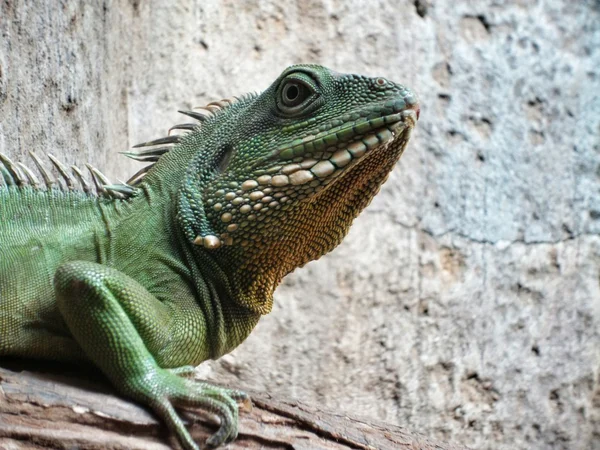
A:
(39, 230)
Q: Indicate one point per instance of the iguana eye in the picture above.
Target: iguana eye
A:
(295, 93)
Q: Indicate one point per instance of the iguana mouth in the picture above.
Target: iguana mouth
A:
(346, 146)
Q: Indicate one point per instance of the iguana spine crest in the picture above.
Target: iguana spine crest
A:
(19, 175)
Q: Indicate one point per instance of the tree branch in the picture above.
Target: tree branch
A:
(69, 410)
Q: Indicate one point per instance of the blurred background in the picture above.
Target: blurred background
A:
(465, 302)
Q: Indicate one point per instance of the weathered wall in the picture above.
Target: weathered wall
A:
(465, 303)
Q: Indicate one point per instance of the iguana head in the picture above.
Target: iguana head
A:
(278, 178)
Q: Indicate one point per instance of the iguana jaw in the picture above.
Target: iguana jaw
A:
(314, 225)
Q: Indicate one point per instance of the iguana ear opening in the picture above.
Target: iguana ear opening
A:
(191, 209)
(191, 215)
(206, 237)
(191, 201)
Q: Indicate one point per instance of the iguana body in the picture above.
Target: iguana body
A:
(150, 278)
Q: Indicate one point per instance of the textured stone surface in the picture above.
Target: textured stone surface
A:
(465, 303)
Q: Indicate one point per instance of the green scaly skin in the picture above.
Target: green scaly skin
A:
(179, 267)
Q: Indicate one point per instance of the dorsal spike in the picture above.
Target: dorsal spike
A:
(124, 189)
(49, 180)
(152, 154)
(213, 107)
(13, 171)
(69, 180)
(165, 140)
(99, 180)
(82, 181)
(5, 177)
(203, 109)
(151, 151)
(195, 115)
(141, 158)
(137, 177)
(223, 103)
(184, 126)
(33, 180)
(99, 175)
(113, 193)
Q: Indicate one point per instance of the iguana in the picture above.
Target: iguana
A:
(149, 278)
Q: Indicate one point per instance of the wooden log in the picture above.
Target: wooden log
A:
(66, 409)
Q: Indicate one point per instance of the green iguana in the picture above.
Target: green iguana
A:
(148, 279)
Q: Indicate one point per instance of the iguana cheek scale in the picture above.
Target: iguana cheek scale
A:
(149, 278)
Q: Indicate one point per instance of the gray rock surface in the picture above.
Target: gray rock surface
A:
(465, 303)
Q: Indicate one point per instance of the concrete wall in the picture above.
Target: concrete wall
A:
(465, 303)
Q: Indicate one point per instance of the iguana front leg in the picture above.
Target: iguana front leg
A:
(121, 327)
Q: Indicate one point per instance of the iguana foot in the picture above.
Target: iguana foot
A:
(190, 372)
(167, 391)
